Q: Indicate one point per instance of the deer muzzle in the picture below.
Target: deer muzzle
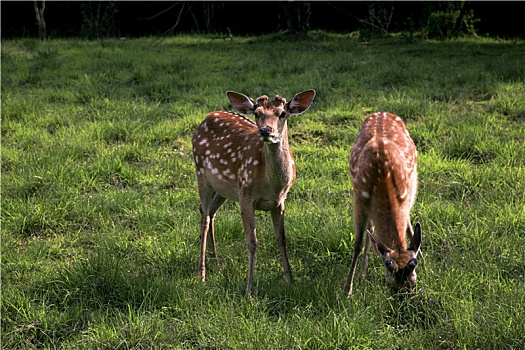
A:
(266, 135)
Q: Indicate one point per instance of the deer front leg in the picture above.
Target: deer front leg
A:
(278, 226)
(364, 265)
(248, 222)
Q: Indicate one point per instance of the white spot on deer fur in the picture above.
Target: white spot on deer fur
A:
(255, 162)
(203, 141)
(364, 179)
(216, 115)
(227, 144)
(405, 192)
(219, 176)
(365, 194)
(207, 152)
(214, 171)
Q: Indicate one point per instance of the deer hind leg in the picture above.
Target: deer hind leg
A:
(217, 202)
(360, 221)
(248, 222)
(278, 225)
(210, 203)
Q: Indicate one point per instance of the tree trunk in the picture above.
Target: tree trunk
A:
(459, 21)
(39, 12)
(297, 17)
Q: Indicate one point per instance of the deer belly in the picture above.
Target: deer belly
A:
(266, 204)
(223, 185)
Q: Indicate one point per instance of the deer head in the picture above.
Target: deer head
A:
(400, 264)
(271, 115)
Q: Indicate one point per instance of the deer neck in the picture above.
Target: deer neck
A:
(279, 162)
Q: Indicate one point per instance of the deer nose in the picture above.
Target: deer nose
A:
(265, 131)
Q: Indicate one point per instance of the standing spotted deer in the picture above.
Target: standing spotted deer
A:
(383, 171)
(247, 162)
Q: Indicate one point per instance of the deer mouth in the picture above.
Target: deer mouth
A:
(269, 138)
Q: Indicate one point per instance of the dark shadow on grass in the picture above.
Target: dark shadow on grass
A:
(111, 279)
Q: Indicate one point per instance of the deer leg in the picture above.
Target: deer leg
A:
(216, 203)
(248, 222)
(278, 225)
(360, 220)
(364, 265)
(205, 225)
(210, 202)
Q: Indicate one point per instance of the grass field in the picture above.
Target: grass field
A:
(100, 219)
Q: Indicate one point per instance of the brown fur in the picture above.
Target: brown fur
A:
(247, 162)
(383, 170)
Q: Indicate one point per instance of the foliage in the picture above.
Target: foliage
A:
(450, 19)
(98, 19)
(100, 216)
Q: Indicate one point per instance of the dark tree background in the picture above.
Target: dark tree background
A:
(95, 19)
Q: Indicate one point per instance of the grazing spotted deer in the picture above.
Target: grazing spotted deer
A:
(383, 171)
(247, 162)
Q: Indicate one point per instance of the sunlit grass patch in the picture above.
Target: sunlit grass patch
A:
(100, 217)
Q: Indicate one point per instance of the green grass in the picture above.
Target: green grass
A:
(100, 220)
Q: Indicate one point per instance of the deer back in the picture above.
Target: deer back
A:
(383, 169)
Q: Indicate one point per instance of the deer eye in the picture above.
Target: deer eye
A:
(283, 115)
(389, 264)
(411, 264)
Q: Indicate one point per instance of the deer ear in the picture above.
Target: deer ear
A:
(415, 243)
(381, 249)
(300, 102)
(242, 103)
